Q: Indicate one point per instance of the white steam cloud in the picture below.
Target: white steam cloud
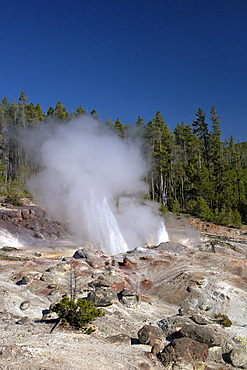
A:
(94, 181)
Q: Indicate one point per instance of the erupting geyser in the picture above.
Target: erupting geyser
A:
(93, 180)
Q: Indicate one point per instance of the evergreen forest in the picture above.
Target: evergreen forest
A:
(192, 172)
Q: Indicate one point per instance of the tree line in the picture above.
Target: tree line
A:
(192, 170)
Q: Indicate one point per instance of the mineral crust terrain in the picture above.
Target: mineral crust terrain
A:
(177, 305)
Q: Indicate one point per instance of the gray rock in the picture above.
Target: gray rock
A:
(215, 353)
(100, 282)
(91, 256)
(184, 350)
(173, 324)
(152, 335)
(202, 334)
(238, 357)
(25, 213)
(173, 247)
(102, 297)
(7, 248)
(200, 320)
(29, 278)
(52, 286)
(23, 321)
(59, 268)
(205, 304)
(155, 349)
(129, 298)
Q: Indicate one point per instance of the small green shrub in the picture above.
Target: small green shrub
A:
(223, 320)
(14, 199)
(77, 313)
(90, 330)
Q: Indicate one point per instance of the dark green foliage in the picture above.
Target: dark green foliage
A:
(193, 171)
(13, 199)
(119, 128)
(223, 320)
(77, 313)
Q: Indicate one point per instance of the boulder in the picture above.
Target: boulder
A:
(238, 357)
(7, 248)
(200, 319)
(203, 334)
(29, 278)
(25, 213)
(215, 353)
(173, 324)
(101, 281)
(183, 350)
(172, 247)
(91, 256)
(129, 298)
(152, 335)
(126, 264)
(102, 297)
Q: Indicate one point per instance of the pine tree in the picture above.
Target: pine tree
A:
(140, 121)
(200, 128)
(95, 114)
(23, 103)
(215, 144)
(50, 112)
(79, 111)
(119, 128)
(161, 140)
(60, 111)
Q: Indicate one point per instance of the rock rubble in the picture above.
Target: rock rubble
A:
(160, 305)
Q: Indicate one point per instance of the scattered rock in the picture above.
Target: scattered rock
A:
(101, 281)
(9, 249)
(94, 258)
(156, 348)
(151, 335)
(200, 320)
(238, 357)
(102, 297)
(202, 283)
(23, 321)
(59, 268)
(38, 254)
(172, 324)
(26, 213)
(203, 334)
(173, 247)
(129, 298)
(52, 286)
(126, 264)
(29, 278)
(184, 350)
(215, 353)
(38, 235)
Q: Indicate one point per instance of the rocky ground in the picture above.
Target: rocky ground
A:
(159, 302)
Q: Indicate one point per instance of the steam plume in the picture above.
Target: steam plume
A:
(93, 180)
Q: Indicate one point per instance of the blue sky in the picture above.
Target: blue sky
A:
(128, 58)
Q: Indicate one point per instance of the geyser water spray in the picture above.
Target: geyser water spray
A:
(93, 180)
